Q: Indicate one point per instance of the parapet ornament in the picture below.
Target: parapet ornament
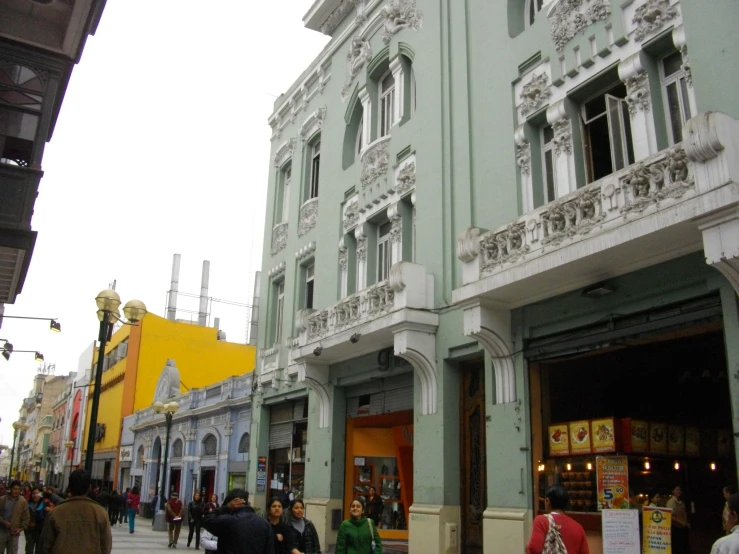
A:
(570, 17)
(651, 17)
(399, 15)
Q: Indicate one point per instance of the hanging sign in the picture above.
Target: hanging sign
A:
(613, 482)
(559, 443)
(657, 523)
(580, 437)
(620, 532)
(603, 434)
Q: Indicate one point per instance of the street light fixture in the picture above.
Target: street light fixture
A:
(168, 410)
(68, 445)
(55, 326)
(17, 426)
(108, 303)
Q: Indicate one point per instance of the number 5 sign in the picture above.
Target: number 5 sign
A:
(613, 482)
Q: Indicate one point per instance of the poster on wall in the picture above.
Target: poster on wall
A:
(676, 440)
(658, 438)
(656, 525)
(620, 532)
(262, 474)
(559, 444)
(603, 435)
(580, 437)
(613, 482)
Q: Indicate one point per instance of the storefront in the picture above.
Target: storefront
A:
(379, 449)
(651, 388)
(288, 437)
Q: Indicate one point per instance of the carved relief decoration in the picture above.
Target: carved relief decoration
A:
(572, 217)
(686, 65)
(337, 16)
(396, 229)
(570, 17)
(637, 93)
(312, 124)
(362, 249)
(308, 216)
(351, 215)
(562, 137)
(374, 163)
(523, 157)
(343, 258)
(503, 247)
(406, 178)
(651, 17)
(535, 93)
(400, 14)
(279, 237)
(284, 152)
(360, 52)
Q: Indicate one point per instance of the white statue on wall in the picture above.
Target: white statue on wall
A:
(168, 385)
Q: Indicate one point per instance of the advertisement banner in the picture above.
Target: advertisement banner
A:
(580, 437)
(658, 438)
(559, 443)
(262, 474)
(613, 482)
(620, 532)
(676, 440)
(603, 434)
(656, 523)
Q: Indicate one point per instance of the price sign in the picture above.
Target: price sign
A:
(613, 482)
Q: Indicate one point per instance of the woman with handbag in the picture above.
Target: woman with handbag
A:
(555, 532)
(305, 536)
(194, 519)
(358, 534)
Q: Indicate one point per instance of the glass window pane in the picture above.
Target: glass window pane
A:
(672, 63)
(548, 134)
(18, 124)
(549, 175)
(616, 132)
(673, 111)
(595, 107)
(385, 229)
(626, 118)
(388, 82)
(685, 99)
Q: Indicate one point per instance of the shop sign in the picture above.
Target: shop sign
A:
(620, 532)
(676, 440)
(559, 444)
(262, 474)
(358, 461)
(639, 431)
(580, 437)
(656, 523)
(603, 433)
(658, 438)
(613, 482)
(125, 454)
(692, 441)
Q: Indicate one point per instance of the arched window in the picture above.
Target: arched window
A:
(244, 443)
(177, 449)
(140, 457)
(210, 445)
(387, 103)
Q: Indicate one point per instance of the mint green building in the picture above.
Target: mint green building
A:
(502, 241)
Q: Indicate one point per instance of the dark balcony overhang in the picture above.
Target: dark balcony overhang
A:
(16, 248)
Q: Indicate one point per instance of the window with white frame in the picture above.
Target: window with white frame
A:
(286, 180)
(532, 8)
(387, 103)
(360, 136)
(315, 168)
(675, 91)
(548, 165)
(279, 309)
(413, 92)
(310, 272)
(384, 252)
(607, 133)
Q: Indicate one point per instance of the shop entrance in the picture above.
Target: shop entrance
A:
(207, 482)
(472, 453)
(174, 480)
(660, 400)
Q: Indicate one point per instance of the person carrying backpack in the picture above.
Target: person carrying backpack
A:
(556, 532)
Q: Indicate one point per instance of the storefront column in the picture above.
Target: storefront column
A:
(259, 446)
(324, 472)
(730, 309)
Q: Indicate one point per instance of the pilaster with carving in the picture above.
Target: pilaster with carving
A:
(396, 233)
(343, 267)
(643, 133)
(360, 52)
(523, 160)
(564, 157)
(361, 258)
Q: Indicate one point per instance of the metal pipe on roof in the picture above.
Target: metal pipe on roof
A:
(172, 302)
(203, 312)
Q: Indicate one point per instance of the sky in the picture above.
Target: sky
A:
(161, 147)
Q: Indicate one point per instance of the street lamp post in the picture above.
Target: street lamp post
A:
(17, 426)
(108, 303)
(68, 445)
(168, 410)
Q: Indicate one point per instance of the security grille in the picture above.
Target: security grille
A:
(210, 446)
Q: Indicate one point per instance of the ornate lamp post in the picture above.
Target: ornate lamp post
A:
(108, 303)
(17, 426)
(68, 445)
(168, 410)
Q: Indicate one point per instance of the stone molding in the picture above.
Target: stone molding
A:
(651, 17)
(279, 237)
(406, 178)
(571, 17)
(306, 251)
(317, 378)
(399, 15)
(375, 161)
(278, 270)
(308, 216)
(284, 152)
(351, 214)
(417, 345)
(535, 93)
(337, 16)
(312, 124)
(360, 52)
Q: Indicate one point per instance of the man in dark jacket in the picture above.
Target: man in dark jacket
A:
(238, 528)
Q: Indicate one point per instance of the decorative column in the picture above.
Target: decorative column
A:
(643, 135)
(361, 258)
(396, 233)
(397, 69)
(364, 98)
(343, 267)
(679, 40)
(563, 153)
(523, 160)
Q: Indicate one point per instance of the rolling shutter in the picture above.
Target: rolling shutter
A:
(280, 435)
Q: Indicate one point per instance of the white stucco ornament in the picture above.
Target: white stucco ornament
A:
(360, 52)
(168, 385)
(570, 17)
(399, 15)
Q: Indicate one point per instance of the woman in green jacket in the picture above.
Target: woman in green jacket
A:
(358, 535)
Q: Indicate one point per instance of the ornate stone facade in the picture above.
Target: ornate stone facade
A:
(284, 152)
(375, 161)
(308, 216)
(279, 237)
(562, 137)
(637, 93)
(651, 17)
(535, 93)
(399, 15)
(360, 52)
(406, 178)
(337, 16)
(523, 157)
(351, 215)
(570, 17)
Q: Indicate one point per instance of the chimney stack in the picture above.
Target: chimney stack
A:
(203, 312)
(172, 303)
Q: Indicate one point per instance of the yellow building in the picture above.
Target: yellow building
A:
(134, 359)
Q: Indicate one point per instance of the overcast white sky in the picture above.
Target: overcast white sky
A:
(162, 146)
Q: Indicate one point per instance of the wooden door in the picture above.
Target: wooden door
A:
(472, 446)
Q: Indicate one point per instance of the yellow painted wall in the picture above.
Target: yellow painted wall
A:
(201, 358)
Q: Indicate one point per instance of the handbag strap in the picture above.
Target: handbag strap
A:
(372, 527)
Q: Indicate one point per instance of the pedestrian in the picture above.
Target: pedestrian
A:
(174, 519)
(27, 492)
(79, 524)
(209, 541)
(374, 506)
(194, 519)
(280, 529)
(133, 499)
(358, 535)
(305, 536)
(730, 543)
(14, 516)
(555, 532)
(238, 528)
(680, 525)
(728, 490)
(125, 504)
(213, 504)
(36, 519)
(286, 497)
(113, 507)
